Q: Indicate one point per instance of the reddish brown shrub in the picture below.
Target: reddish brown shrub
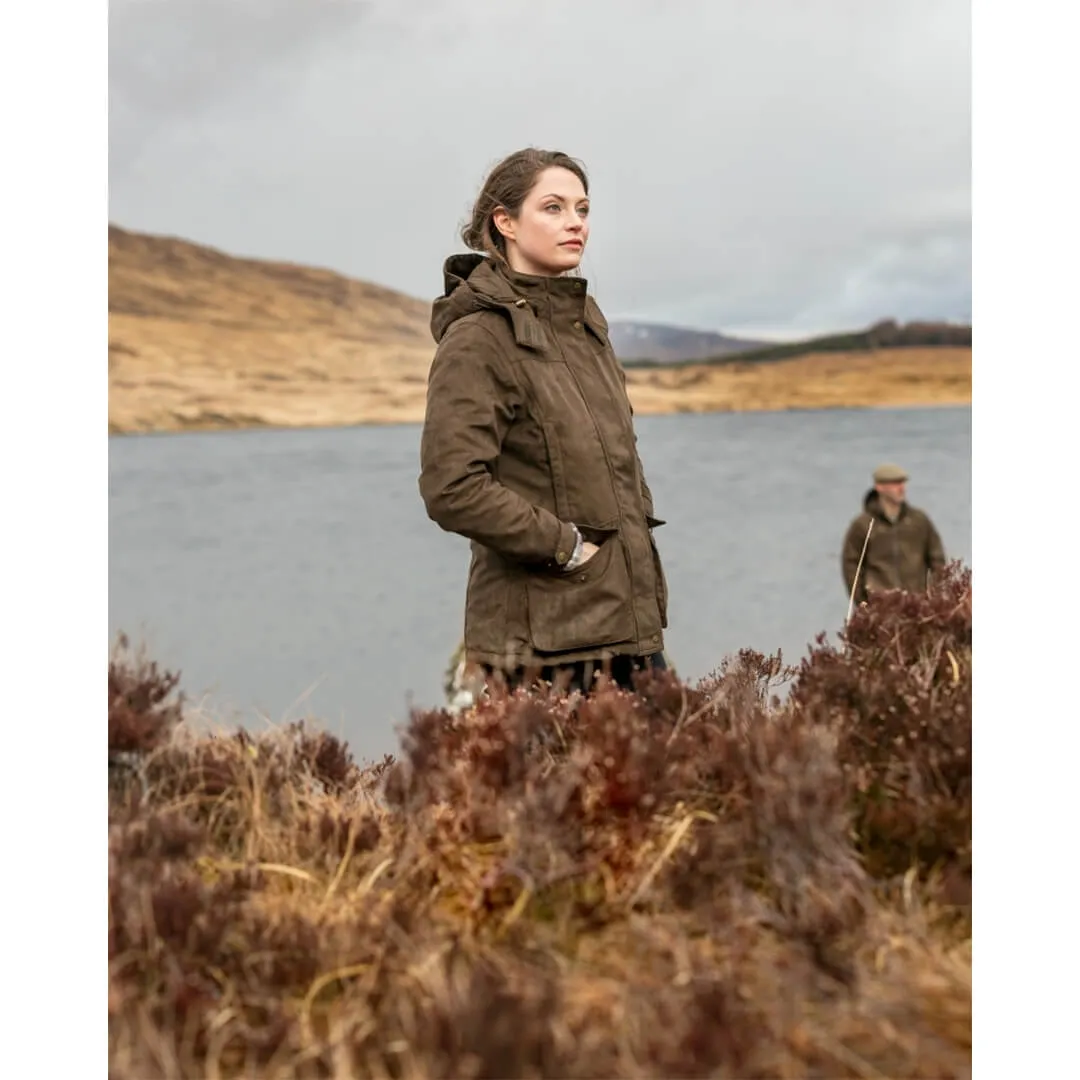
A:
(144, 707)
(671, 882)
(898, 694)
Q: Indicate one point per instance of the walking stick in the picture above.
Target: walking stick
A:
(858, 569)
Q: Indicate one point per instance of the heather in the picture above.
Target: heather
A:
(764, 874)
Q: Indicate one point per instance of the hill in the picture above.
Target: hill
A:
(663, 344)
(887, 334)
(851, 379)
(199, 339)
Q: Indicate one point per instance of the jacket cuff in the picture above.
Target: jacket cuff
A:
(566, 543)
(579, 550)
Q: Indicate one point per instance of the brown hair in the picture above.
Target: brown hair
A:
(506, 187)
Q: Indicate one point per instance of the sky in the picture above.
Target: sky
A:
(775, 167)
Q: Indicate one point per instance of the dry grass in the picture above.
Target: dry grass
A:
(691, 881)
(888, 377)
(201, 340)
(198, 339)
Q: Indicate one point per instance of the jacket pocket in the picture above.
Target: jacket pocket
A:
(585, 608)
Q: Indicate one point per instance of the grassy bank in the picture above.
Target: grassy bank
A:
(852, 379)
(207, 399)
(693, 881)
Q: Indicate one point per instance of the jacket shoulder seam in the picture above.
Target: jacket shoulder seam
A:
(475, 320)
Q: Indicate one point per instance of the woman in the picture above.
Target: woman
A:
(528, 447)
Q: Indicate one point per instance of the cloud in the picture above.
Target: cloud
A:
(173, 62)
(776, 164)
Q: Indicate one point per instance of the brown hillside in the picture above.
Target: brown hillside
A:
(199, 339)
(915, 376)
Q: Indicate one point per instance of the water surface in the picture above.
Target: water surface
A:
(292, 573)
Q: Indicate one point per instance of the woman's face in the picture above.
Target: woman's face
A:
(549, 234)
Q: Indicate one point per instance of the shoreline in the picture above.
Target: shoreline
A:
(184, 401)
(252, 428)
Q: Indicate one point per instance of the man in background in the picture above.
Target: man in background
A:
(903, 549)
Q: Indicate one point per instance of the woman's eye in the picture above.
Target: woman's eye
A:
(553, 206)
(583, 211)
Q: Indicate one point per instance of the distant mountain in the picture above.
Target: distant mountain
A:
(884, 335)
(663, 344)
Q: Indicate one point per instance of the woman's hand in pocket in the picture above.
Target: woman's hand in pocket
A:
(587, 552)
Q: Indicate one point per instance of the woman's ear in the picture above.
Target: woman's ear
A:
(504, 223)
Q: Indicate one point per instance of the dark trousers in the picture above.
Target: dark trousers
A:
(581, 675)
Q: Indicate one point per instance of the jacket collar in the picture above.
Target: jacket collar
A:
(518, 296)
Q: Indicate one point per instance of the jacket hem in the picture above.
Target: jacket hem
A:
(503, 662)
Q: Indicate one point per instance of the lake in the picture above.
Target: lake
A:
(295, 573)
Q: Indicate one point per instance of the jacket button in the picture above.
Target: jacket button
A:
(561, 557)
(577, 325)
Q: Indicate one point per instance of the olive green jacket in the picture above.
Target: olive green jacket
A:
(528, 430)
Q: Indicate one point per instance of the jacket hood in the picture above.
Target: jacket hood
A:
(472, 282)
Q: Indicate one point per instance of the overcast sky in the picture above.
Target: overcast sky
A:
(769, 166)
